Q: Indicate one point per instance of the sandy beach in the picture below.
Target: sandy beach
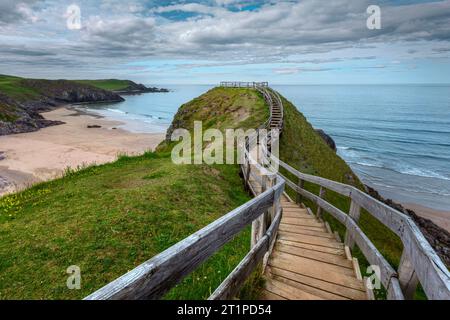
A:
(441, 218)
(28, 158)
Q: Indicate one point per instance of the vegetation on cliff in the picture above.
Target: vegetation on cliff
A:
(21, 100)
(108, 219)
(121, 86)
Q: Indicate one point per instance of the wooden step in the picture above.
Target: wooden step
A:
(317, 284)
(304, 287)
(298, 215)
(335, 251)
(312, 269)
(300, 230)
(318, 241)
(301, 222)
(288, 292)
(315, 255)
(304, 228)
(267, 295)
(324, 267)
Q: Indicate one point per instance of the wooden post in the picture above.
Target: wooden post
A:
(319, 209)
(355, 212)
(301, 184)
(259, 224)
(407, 277)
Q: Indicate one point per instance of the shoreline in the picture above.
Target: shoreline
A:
(42, 155)
(440, 217)
(73, 144)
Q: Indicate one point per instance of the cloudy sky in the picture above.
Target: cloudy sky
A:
(284, 42)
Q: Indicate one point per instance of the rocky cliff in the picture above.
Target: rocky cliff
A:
(20, 112)
(137, 88)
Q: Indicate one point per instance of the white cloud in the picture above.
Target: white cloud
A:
(117, 31)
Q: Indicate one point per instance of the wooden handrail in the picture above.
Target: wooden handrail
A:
(153, 278)
(423, 262)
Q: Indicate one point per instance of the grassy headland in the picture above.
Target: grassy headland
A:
(108, 219)
(108, 84)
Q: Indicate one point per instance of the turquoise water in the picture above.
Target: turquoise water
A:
(396, 138)
(150, 112)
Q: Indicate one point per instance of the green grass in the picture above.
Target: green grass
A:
(7, 113)
(108, 219)
(107, 84)
(14, 88)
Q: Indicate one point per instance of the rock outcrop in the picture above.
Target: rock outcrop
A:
(138, 88)
(328, 140)
(22, 115)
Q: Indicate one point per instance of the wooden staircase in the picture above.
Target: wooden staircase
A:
(308, 262)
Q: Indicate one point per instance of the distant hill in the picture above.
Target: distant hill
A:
(121, 86)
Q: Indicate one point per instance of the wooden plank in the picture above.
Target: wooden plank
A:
(323, 286)
(267, 295)
(348, 254)
(312, 247)
(407, 277)
(288, 292)
(295, 208)
(301, 222)
(319, 208)
(314, 272)
(308, 289)
(337, 236)
(297, 214)
(394, 292)
(315, 255)
(324, 268)
(310, 240)
(156, 276)
(310, 228)
(354, 213)
(356, 269)
(327, 226)
(298, 230)
(431, 271)
(301, 184)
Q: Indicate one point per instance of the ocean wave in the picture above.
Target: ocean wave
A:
(404, 170)
(417, 189)
(116, 111)
(359, 151)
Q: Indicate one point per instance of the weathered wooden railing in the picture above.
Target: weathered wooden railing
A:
(240, 84)
(419, 262)
(264, 228)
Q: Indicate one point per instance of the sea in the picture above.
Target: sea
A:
(395, 137)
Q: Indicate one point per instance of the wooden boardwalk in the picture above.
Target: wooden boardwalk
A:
(308, 262)
(302, 258)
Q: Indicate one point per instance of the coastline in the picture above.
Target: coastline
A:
(439, 217)
(28, 158)
(33, 157)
